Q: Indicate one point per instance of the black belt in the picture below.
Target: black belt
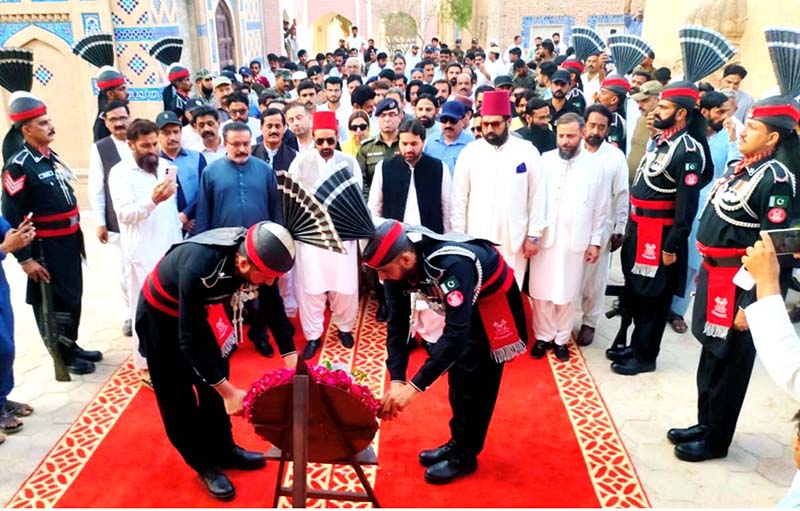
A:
(723, 262)
(653, 213)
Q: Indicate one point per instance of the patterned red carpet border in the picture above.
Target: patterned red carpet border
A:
(613, 475)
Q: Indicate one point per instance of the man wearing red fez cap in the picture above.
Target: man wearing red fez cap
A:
(323, 276)
(664, 196)
(759, 194)
(493, 184)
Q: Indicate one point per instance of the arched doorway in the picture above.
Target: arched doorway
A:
(226, 43)
(399, 30)
(328, 29)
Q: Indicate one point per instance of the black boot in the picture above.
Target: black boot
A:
(91, 356)
(74, 363)
(430, 457)
(311, 349)
(451, 468)
(684, 435)
(243, 459)
(261, 342)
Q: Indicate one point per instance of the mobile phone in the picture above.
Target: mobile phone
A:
(171, 174)
(786, 241)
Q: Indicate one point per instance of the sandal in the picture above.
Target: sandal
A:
(19, 410)
(9, 424)
(678, 324)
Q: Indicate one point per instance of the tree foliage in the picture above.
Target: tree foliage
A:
(459, 11)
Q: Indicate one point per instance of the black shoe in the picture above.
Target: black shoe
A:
(632, 366)
(244, 460)
(263, 346)
(562, 352)
(346, 339)
(539, 349)
(430, 457)
(91, 356)
(684, 435)
(77, 365)
(585, 336)
(382, 314)
(618, 353)
(698, 451)
(447, 470)
(218, 484)
(311, 349)
(127, 328)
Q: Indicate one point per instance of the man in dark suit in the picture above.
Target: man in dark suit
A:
(271, 147)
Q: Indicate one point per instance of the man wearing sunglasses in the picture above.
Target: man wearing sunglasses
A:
(322, 275)
(447, 145)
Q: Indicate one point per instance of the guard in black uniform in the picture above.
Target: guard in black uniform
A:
(757, 193)
(187, 343)
(664, 199)
(616, 87)
(36, 180)
(470, 282)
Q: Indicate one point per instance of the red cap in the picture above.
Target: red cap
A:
(325, 121)
(573, 64)
(496, 102)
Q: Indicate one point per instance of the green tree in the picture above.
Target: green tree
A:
(459, 11)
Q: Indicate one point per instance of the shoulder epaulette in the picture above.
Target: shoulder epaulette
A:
(21, 156)
(780, 173)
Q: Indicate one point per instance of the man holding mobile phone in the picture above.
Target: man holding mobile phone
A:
(757, 193)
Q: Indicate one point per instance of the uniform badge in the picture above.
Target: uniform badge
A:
(691, 167)
(691, 179)
(779, 201)
(450, 284)
(455, 299)
(13, 186)
(776, 215)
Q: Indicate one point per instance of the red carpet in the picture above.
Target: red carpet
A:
(551, 444)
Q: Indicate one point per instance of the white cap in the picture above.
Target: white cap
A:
(299, 75)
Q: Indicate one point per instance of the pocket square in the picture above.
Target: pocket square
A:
(521, 168)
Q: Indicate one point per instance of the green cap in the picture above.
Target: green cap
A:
(648, 90)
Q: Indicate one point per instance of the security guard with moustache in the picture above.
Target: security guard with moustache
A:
(37, 181)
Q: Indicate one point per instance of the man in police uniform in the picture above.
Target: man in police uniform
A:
(383, 145)
(664, 198)
(36, 180)
(758, 193)
(475, 288)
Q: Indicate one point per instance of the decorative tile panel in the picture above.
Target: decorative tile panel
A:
(91, 22)
(42, 75)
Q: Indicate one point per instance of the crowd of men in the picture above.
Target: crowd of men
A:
(558, 162)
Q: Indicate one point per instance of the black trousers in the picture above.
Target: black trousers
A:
(62, 257)
(268, 311)
(193, 413)
(649, 315)
(722, 385)
(474, 382)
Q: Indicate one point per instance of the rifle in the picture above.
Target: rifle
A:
(51, 334)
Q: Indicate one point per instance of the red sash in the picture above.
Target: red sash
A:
(498, 320)
(648, 234)
(721, 293)
(223, 328)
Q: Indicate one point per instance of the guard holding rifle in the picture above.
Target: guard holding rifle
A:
(36, 185)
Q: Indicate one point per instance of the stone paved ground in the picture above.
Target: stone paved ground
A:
(756, 473)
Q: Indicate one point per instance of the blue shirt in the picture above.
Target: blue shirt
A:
(632, 25)
(448, 153)
(190, 166)
(233, 195)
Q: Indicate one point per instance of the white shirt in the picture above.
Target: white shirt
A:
(147, 229)
(97, 196)
(411, 215)
(190, 137)
(318, 270)
(561, 48)
(411, 62)
(614, 166)
(776, 342)
(209, 154)
(342, 118)
(356, 42)
(591, 86)
(493, 189)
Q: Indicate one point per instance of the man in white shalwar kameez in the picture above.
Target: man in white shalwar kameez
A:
(614, 166)
(569, 218)
(322, 275)
(494, 182)
(144, 200)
